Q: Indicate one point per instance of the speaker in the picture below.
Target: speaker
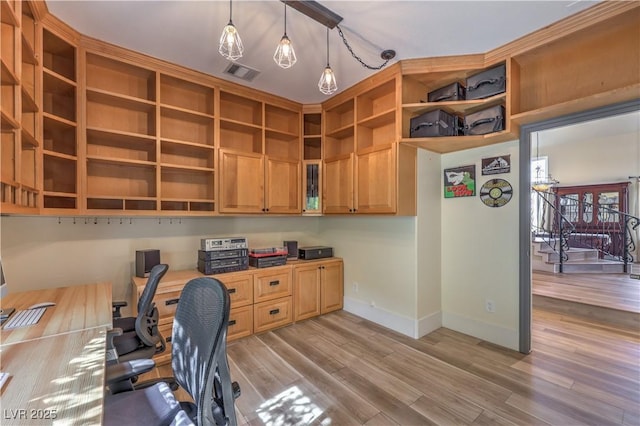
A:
(145, 261)
(292, 249)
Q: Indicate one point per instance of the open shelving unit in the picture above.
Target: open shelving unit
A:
(416, 86)
(20, 108)
(60, 126)
(187, 146)
(121, 145)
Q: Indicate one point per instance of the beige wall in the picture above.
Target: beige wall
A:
(480, 254)
(40, 252)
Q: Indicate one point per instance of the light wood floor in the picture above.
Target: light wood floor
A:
(339, 369)
(615, 291)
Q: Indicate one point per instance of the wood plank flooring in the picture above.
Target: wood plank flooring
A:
(340, 369)
(614, 291)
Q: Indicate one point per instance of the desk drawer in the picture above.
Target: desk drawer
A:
(272, 314)
(240, 322)
(240, 288)
(167, 303)
(270, 286)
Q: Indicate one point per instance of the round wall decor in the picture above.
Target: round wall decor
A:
(496, 192)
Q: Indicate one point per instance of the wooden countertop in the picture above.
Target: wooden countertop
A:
(77, 308)
(54, 380)
(180, 277)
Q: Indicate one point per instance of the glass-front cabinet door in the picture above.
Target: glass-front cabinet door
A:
(312, 194)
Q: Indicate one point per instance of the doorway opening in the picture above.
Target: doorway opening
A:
(528, 133)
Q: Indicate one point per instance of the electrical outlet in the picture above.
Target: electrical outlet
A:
(490, 306)
(354, 286)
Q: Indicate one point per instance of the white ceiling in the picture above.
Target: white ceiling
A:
(187, 33)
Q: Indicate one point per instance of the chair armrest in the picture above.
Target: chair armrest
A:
(119, 377)
(117, 305)
(112, 354)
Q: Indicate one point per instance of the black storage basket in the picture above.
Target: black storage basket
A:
(435, 123)
(487, 83)
(488, 120)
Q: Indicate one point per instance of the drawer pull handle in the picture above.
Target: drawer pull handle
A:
(172, 301)
(231, 290)
(168, 339)
(276, 282)
(232, 322)
(274, 311)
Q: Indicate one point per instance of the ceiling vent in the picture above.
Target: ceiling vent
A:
(242, 72)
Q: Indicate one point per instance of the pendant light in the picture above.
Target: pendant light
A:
(230, 43)
(285, 56)
(327, 83)
(541, 183)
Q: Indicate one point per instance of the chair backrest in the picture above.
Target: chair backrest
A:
(147, 318)
(198, 353)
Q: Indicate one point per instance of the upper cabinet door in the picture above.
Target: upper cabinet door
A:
(338, 185)
(282, 186)
(376, 181)
(241, 182)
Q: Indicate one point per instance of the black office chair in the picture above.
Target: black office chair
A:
(140, 337)
(199, 362)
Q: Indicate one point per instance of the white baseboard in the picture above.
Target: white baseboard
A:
(404, 325)
(493, 333)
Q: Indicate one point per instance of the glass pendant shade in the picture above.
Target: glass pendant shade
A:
(285, 56)
(327, 83)
(230, 43)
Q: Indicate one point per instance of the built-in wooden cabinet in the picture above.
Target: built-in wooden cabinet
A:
(91, 128)
(261, 298)
(318, 288)
(20, 93)
(312, 160)
(362, 158)
(259, 157)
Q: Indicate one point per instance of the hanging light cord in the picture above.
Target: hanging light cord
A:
(285, 19)
(230, 10)
(327, 46)
(387, 57)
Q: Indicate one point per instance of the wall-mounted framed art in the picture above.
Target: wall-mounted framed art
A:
(460, 181)
(496, 165)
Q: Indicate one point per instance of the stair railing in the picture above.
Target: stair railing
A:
(611, 231)
(556, 234)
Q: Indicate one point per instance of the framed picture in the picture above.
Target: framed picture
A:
(496, 165)
(460, 182)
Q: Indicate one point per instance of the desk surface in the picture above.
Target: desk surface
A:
(57, 366)
(54, 379)
(77, 308)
